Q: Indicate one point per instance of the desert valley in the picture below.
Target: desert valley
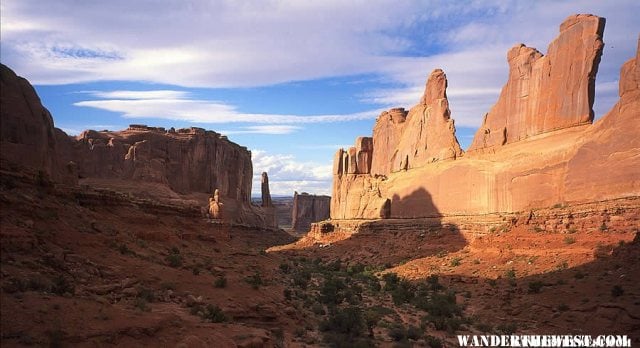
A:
(149, 236)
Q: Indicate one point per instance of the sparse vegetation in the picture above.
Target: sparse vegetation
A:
(254, 280)
(455, 262)
(569, 240)
(617, 291)
(174, 258)
(507, 328)
(535, 287)
(220, 282)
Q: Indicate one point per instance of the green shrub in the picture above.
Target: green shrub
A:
(617, 291)
(433, 342)
(414, 333)
(61, 286)
(345, 321)
(285, 268)
(174, 260)
(220, 282)
(213, 314)
(535, 287)
(254, 280)
(391, 281)
(455, 262)
(569, 240)
(507, 328)
(397, 333)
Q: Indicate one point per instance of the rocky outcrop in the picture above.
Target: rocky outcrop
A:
(308, 209)
(546, 93)
(187, 160)
(28, 138)
(170, 166)
(560, 157)
(266, 195)
(401, 141)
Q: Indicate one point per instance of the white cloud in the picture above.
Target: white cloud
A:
(157, 94)
(264, 129)
(176, 105)
(288, 174)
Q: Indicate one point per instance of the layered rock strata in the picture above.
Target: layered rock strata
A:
(308, 209)
(547, 92)
(183, 166)
(556, 156)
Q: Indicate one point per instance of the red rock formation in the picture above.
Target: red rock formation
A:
(425, 134)
(577, 163)
(545, 93)
(401, 141)
(266, 195)
(308, 209)
(179, 165)
(27, 136)
(188, 160)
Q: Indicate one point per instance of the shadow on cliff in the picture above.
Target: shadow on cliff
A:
(414, 230)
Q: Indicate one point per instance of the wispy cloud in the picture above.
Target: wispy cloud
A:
(264, 129)
(177, 105)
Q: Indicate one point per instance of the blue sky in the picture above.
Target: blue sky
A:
(291, 80)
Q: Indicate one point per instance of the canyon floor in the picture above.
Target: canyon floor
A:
(88, 267)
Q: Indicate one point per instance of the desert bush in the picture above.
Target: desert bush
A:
(174, 260)
(433, 342)
(617, 291)
(455, 262)
(569, 240)
(213, 314)
(397, 333)
(347, 321)
(507, 328)
(287, 293)
(61, 285)
(285, 268)
(535, 287)
(220, 282)
(414, 332)
(254, 280)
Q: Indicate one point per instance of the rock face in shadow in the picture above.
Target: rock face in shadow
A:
(308, 209)
(190, 163)
(551, 153)
(27, 136)
(546, 93)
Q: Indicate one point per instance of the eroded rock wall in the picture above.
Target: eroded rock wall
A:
(308, 209)
(187, 160)
(546, 92)
(28, 138)
(559, 158)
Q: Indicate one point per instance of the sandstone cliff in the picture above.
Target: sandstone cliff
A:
(184, 165)
(308, 209)
(545, 93)
(187, 160)
(28, 138)
(554, 160)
